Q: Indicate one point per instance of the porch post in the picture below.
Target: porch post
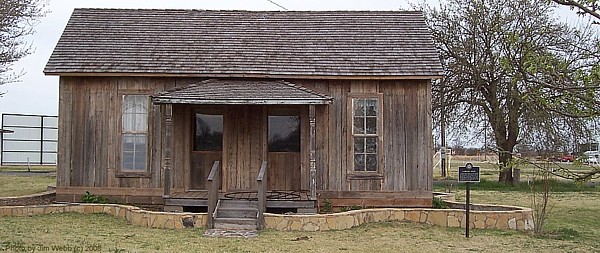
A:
(167, 150)
(312, 156)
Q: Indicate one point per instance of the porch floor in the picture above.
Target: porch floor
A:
(275, 199)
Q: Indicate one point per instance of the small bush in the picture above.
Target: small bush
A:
(327, 206)
(439, 203)
(355, 207)
(91, 198)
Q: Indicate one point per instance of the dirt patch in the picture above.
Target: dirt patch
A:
(44, 198)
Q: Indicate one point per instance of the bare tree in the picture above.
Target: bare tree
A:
(17, 18)
(507, 62)
(590, 7)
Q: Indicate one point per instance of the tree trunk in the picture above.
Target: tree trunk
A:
(506, 170)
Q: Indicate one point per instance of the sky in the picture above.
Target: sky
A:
(38, 94)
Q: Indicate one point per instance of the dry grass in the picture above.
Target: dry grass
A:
(23, 185)
(25, 168)
(111, 234)
(573, 226)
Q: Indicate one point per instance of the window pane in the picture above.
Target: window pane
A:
(135, 113)
(371, 107)
(359, 162)
(134, 152)
(371, 125)
(359, 125)
(128, 143)
(140, 123)
(127, 161)
(371, 144)
(284, 133)
(371, 163)
(141, 104)
(140, 155)
(129, 104)
(359, 107)
(359, 145)
(209, 132)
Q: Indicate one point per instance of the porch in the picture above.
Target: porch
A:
(242, 147)
(276, 201)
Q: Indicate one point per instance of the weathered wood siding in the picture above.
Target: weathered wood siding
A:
(406, 138)
(90, 121)
(90, 133)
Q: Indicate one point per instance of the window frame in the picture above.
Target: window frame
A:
(122, 172)
(364, 174)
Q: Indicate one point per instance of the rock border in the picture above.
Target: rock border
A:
(482, 216)
(516, 219)
(131, 214)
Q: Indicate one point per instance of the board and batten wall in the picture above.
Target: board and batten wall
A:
(89, 140)
(407, 144)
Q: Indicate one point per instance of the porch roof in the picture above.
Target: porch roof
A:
(220, 91)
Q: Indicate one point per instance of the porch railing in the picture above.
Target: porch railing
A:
(262, 195)
(214, 182)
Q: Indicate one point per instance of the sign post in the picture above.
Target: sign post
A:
(468, 174)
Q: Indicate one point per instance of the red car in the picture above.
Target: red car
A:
(568, 158)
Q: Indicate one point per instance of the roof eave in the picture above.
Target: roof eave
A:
(159, 100)
(274, 76)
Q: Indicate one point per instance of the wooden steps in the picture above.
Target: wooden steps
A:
(236, 214)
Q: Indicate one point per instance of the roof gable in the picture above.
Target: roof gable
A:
(238, 43)
(220, 91)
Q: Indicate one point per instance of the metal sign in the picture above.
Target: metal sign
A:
(468, 173)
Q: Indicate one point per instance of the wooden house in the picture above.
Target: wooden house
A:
(188, 107)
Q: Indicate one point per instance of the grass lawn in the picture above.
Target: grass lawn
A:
(573, 227)
(109, 234)
(23, 185)
(24, 168)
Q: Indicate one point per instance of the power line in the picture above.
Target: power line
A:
(273, 2)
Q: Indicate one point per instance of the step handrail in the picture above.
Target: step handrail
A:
(214, 183)
(262, 195)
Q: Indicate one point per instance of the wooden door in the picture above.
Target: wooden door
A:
(207, 145)
(284, 148)
(244, 146)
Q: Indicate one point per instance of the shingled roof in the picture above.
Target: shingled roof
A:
(245, 43)
(219, 91)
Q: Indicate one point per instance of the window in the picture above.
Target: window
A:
(134, 133)
(209, 132)
(284, 133)
(365, 133)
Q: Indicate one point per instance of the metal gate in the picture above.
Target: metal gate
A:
(28, 139)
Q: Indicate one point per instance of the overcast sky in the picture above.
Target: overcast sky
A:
(38, 94)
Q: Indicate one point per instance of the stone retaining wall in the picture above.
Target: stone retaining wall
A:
(133, 215)
(519, 219)
(516, 218)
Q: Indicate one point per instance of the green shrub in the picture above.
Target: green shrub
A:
(439, 203)
(327, 206)
(355, 207)
(91, 198)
